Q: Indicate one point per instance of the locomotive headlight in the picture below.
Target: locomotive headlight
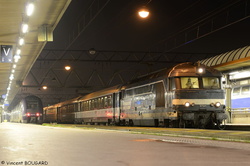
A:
(217, 104)
(187, 104)
(200, 70)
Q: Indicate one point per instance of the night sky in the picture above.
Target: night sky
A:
(118, 28)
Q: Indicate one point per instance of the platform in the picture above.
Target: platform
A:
(228, 135)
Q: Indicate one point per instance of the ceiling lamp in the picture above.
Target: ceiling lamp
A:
(11, 77)
(18, 51)
(45, 87)
(144, 12)
(25, 28)
(92, 51)
(67, 67)
(30, 9)
(21, 41)
(17, 57)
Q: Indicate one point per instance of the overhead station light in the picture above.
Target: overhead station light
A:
(21, 41)
(30, 9)
(25, 28)
(18, 51)
(67, 67)
(45, 87)
(144, 12)
(11, 77)
(16, 58)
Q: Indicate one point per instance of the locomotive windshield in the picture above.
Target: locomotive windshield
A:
(211, 82)
(195, 83)
(189, 82)
(32, 104)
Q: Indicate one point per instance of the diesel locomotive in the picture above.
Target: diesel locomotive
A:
(186, 95)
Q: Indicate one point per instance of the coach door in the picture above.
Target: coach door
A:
(59, 115)
(116, 107)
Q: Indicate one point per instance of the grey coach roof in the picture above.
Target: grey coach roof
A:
(235, 59)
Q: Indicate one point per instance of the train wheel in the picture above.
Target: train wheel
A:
(221, 124)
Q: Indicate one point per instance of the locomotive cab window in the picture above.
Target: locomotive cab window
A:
(189, 82)
(172, 83)
(211, 82)
(32, 105)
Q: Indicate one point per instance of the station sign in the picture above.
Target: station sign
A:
(6, 53)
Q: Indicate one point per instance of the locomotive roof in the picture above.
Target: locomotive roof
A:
(149, 78)
(183, 69)
(190, 69)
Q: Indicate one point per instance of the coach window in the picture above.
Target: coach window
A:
(129, 93)
(91, 103)
(236, 91)
(101, 104)
(105, 102)
(245, 90)
(108, 102)
(83, 106)
(86, 107)
(96, 104)
(76, 107)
